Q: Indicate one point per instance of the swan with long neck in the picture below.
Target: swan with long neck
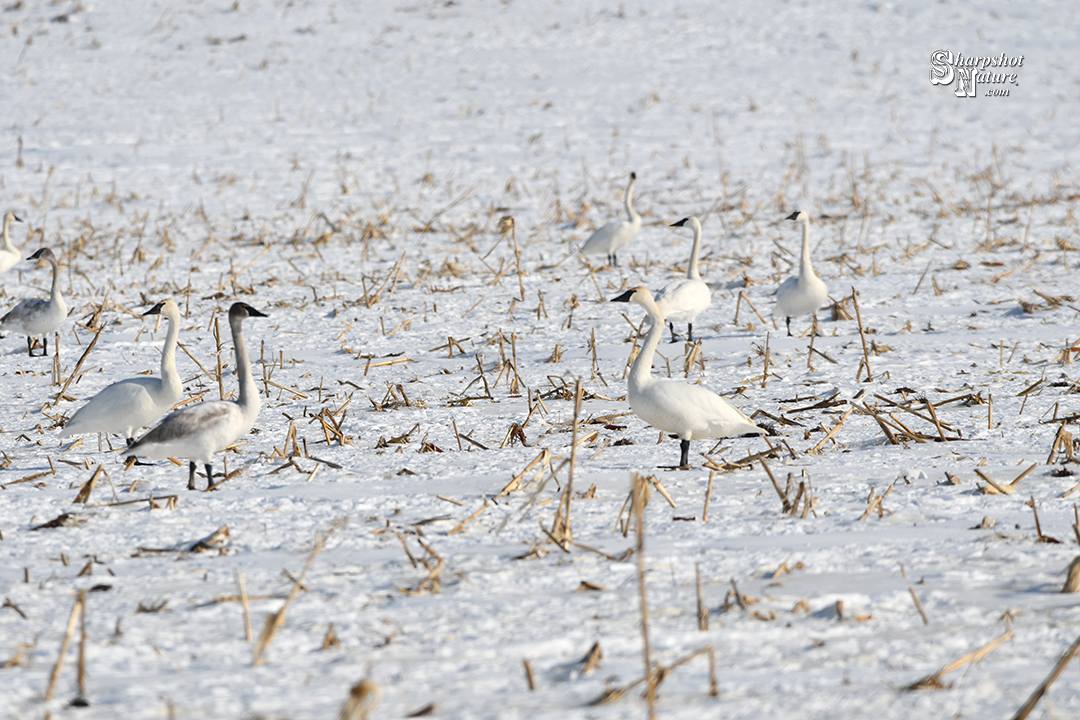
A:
(684, 299)
(36, 316)
(127, 406)
(614, 236)
(9, 254)
(805, 293)
(690, 411)
(199, 431)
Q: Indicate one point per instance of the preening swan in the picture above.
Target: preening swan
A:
(36, 316)
(614, 236)
(684, 299)
(689, 411)
(9, 254)
(801, 295)
(199, 431)
(129, 405)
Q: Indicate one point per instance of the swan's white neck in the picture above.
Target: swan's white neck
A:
(249, 393)
(7, 237)
(806, 270)
(628, 203)
(170, 377)
(641, 370)
(692, 271)
(55, 297)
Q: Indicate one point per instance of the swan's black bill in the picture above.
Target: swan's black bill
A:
(681, 222)
(633, 176)
(156, 310)
(16, 217)
(625, 297)
(793, 216)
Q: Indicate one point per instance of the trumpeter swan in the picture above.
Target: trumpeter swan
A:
(36, 316)
(801, 295)
(684, 299)
(9, 254)
(127, 406)
(199, 431)
(614, 236)
(689, 411)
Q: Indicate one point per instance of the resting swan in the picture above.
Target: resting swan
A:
(130, 405)
(684, 299)
(801, 295)
(199, 431)
(36, 316)
(689, 411)
(614, 236)
(9, 254)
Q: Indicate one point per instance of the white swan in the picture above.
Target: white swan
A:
(36, 316)
(684, 299)
(801, 295)
(129, 405)
(199, 431)
(614, 236)
(689, 411)
(9, 254)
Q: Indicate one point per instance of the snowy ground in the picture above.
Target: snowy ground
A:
(344, 166)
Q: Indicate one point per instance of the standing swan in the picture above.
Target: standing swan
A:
(684, 299)
(199, 431)
(801, 295)
(129, 405)
(36, 316)
(9, 254)
(690, 411)
(614, 236)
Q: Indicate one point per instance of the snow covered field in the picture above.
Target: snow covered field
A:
(343, 167)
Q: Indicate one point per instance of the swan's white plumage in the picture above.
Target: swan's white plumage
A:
(684, 299)
(805, 293)
(36, 316)
(199, 431)
(690, 411)
(9, 254)
(127, 406)
(613, 237)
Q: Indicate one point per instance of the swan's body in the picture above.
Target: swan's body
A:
(805, 293)
(690, 411)
(684, 299)
(9, 254)
(36, 316)
(614, 236)
(199, 431)
(127, 406)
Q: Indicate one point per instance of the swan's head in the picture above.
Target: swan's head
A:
(634, 294)
(169, 308)
(44, 254)
(798, 215)
(240, 310)
(633, 176)
(9, 216)
(688, 221)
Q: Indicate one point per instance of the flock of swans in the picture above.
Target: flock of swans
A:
(199, 431)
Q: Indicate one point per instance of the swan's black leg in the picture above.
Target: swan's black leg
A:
(29, 346)
(673, 335)
(130, 441)
(684, 449)
(209, 476)
(45, 346)
(789, 326)
(191, 475)
(690, 332)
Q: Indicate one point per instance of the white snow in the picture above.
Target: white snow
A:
(300, 156)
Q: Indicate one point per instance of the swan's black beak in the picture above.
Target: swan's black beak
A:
(625, 297)
(680, 223)
(793, 216)
(17, 218)
(156, 310)
(633, 176)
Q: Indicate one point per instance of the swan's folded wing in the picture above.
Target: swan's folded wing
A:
(187, 423)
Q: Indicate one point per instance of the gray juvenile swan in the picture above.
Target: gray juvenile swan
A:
(36, 316)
